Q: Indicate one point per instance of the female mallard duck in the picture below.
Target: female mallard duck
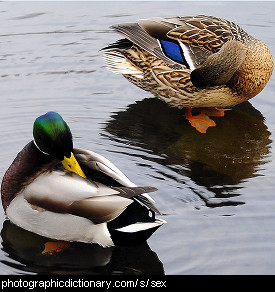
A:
(61, 202)
(192, 62)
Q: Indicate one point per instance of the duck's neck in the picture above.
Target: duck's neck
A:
(255, 71)
(25, 166)
(219, 67)
(244, 67)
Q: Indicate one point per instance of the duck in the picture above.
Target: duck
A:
(199, 62)
(72, 194)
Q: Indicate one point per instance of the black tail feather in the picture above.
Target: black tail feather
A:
(122, 44)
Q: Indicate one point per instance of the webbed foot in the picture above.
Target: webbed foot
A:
(202, 122)
(52, 247)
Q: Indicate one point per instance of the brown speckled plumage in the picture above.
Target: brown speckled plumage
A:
(230, 66)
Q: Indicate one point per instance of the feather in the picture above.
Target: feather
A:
(119, 44)
(117, 63)
(137, 193)
(99, 209)
(100, 164)
(139, 36)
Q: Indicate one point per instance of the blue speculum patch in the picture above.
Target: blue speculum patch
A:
(173, 51)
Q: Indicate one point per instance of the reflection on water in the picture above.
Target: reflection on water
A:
(25, 248)
(220, 160)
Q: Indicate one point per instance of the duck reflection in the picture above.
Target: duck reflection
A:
(220, 160)
(25, 248)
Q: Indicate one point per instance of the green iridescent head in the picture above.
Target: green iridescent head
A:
(52, 135)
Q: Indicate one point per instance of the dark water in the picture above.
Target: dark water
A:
(216, 190)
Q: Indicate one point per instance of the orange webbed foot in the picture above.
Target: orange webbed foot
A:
(52, 247)
(200, 122)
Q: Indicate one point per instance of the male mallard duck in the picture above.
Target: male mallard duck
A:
(192, 62)
(62, 203)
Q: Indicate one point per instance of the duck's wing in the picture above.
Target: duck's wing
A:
(136, 34)
(199, 35)
(64, 192)
(99, 163)
(204, 35)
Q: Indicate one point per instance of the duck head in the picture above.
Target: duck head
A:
(53, 137)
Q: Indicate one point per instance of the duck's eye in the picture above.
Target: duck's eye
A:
(173, 51)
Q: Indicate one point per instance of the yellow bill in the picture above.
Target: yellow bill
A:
(72, 165)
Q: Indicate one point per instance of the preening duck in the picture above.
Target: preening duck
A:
(73, 194)
(192, 62)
